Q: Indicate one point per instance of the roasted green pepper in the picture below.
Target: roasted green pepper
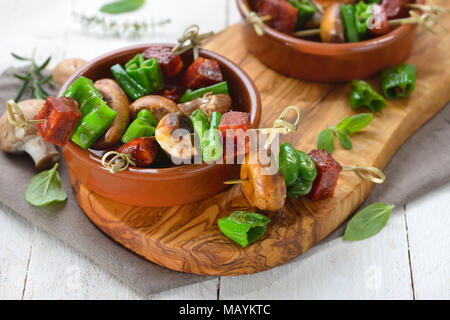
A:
(212, 143)
(93, 125)
(348, 18)
(364, 95)
(398, 82)
(298, 169)
(218, 88)
(97, 116)
(305, 11)
(243, 227)
(363, 12)
(86, 94)
(147, 73)
(200, 123)
(143, 126)
(128, 84)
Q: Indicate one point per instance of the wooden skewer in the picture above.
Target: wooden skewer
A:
(14, 110)
(255, 20)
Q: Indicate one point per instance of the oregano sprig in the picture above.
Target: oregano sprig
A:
(34, 78)
(342, 131)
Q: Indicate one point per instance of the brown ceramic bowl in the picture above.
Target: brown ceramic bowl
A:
(166, 186)
(327, 62)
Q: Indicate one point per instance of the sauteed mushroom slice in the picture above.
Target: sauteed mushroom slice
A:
(332, 27)
(264, 191)
(159, 106)
(208, 104)
(117, 100)
(174, 135)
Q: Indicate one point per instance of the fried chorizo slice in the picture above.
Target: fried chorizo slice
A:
(142, 150)
(170, 63)
(263, 191)
(328, 171)
(283, 15)
(202, 73)
(61, 116)
(233, 126)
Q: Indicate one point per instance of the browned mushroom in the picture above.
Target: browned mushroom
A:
(263, 191)
(18, 140)
(208, 104)
(65, 69)
(117, 100)
(159, 106)
(332, 27)
(176, 143)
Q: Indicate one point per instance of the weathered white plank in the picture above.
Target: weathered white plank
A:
(429, 242)
(16, 238)
(56, 271)
(376, 268)
(207, 290)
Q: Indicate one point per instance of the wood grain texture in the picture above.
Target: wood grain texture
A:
(186, 238)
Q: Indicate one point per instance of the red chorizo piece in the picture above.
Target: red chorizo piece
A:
(202, 73)
(171, 63)
(395, 9)
(173, 93)
(379, 24)
(283, 14)
(233, 126)
(142, 150)
(328, 171)
(61, 116)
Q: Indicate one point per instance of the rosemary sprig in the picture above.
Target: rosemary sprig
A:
(134, 29)
(34, 79)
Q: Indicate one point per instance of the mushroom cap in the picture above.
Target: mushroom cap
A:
(159, 106)
(9, 135)
(65, 69)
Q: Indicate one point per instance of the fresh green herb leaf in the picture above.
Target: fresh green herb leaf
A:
(19, 57)
(358, 122)
(368, 221)
(122, 6)
(325, 140)
(344, 139)
(343, 124)
(45, 188)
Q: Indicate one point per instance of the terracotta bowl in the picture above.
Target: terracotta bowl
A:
(166, 186)
(327, 62)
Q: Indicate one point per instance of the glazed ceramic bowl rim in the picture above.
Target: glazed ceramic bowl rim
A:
(330, 49)
(189, 169)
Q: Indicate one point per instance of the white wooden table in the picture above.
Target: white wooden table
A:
(409, 259)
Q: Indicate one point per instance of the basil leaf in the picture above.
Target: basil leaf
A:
(358, 122)
(344, 139)
(45, 188)
(122, 6)
(325, 141)
(368, 221)
(343, 124)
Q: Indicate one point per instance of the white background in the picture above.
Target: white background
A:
(409, 259)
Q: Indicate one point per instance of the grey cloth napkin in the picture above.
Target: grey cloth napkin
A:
(422, 164)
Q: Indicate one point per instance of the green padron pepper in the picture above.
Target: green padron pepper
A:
(143, 126)
(305, 11)
(147, 73)
(133, 89)
(218, 88)
(212, 142)
(364, 95)
(243, 227)
(298, 169)
(97, 116)
(348, 17)
(398, 82)
(363, 12)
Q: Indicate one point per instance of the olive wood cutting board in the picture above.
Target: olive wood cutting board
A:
(186, 237)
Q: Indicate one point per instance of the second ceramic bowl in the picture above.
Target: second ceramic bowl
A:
(327, 62)
(166, 186)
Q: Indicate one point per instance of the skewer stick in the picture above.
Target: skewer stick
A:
(255, 20)
(427, 20)
(119, 161)
(372, 174)
(191, 34)
(16, 116)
